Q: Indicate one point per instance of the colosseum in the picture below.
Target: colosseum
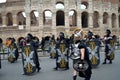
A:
(46, 17)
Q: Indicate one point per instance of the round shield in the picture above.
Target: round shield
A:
(80, 66)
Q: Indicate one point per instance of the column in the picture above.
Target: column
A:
(41, 23)
(4, 22)
(66, 14)
(54, 23)
(101, 21)
(90, 21)
(27, 12)
(109, 21)
(15, 20)
(79, 14)
(28, 22)
(117, 21)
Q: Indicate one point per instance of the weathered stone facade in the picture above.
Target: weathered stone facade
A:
(97, 16)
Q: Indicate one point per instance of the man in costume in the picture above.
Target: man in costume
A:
(1, 49)
(109, 47)
(81, 62)
(62, 46)
(30, 39)
(52, 43)
(12, 50)
(93, 46)
(29, 54)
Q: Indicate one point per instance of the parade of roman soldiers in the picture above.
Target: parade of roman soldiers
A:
(83, 48)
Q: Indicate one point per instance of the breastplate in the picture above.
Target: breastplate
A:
(75, 51)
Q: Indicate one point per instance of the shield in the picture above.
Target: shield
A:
(81, 65)
(28, 58)
(62, 56)
(12, 53)
(111, 46)
(52, 50)
(93, 49)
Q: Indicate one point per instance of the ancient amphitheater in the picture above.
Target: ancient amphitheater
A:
(47, 17)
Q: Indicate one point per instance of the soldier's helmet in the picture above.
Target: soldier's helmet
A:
(53, 37)
(89, 34)
(29, 37)
(78, 34)
(61, 35)
(108, 31)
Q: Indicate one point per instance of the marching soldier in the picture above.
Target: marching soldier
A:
(81, 62)
(12, 50)
(93, 46)
(1, 49)
(52, 50)
(62, 46)
(32, 43)
(30, 56)
(109, 47)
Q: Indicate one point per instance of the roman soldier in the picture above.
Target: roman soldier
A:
(30, 56)
(109, 47)
(52, 50)
(62, 60)
(12, 50)
(93, 46)
(80, 57)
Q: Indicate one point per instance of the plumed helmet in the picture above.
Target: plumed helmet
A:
(78, 34)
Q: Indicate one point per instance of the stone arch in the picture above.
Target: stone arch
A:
(47, 17)
(72, 18)
(113, 17)
(84, 19)
(21, 18)
(9, 19)
(84, 5)
(0, 19)
(60, 5)
(95, 19)
(105, 18)
(34, 18)
(60, 18)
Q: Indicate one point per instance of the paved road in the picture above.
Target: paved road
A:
(103, 72)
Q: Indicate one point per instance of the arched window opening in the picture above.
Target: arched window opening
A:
(119, 10)
(72, 18)
(119, 21)
(84, 19)
(113, 20)
(60, 20)
(21, 18)
(34, 18)
(60, 6)
(105, 18)
(96, 19)
(0, 19)
(84, 5)
(9, 19)
(47, 16)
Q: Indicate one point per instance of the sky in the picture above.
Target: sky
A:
(2, 1)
